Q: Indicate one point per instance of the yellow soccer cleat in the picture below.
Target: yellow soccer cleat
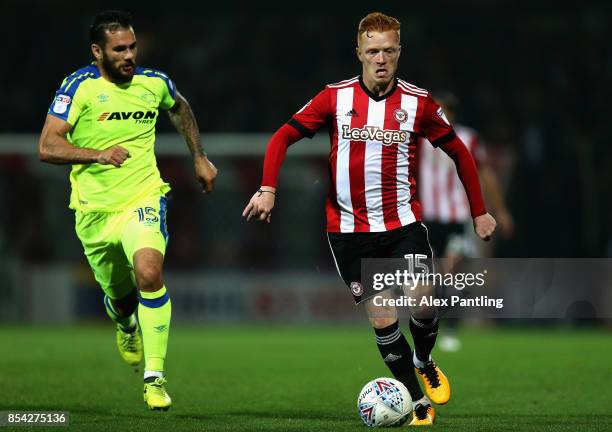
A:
(436, 384)
(155, 395)
(423, 415)
(130, 346)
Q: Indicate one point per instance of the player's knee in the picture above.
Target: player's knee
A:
(382, 322)
(149, 279)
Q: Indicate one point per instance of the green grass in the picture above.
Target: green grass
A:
(305, 379)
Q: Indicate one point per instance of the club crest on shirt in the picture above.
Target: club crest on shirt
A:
(400, 115)
(356, 288)
(149, 98)
(61, 103)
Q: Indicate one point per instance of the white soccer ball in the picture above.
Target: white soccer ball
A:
(384, 402)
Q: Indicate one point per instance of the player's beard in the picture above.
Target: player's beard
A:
(115, 73)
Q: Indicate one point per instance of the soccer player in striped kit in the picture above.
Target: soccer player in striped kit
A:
(375, 120)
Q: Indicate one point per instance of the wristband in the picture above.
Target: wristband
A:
(264, 191)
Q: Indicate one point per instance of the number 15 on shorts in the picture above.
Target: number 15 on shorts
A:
(148, 215)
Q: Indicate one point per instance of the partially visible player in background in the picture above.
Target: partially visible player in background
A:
(102, 122)
(446, 210)
(372, 206)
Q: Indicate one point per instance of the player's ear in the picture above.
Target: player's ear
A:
(96, 50)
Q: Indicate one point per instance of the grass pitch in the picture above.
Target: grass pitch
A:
(304, 379)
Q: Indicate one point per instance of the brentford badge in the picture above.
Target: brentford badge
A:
(356, 288)
(400, 115)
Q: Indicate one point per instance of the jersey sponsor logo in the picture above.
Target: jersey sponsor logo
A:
(61, 103)
(441, 114)
(400, 115)
(141, 117)
(374, 133)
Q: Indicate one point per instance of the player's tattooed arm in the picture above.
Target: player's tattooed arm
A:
(53, 147)
(185, 123)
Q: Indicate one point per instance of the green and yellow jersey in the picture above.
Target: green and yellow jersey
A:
(103, 114)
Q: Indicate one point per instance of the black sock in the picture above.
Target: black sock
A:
(424, 333)
(396, 353)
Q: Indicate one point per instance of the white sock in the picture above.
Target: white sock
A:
(157, 374)
(423, 401)
(418, 363)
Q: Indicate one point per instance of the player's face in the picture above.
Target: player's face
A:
(118, 57)
(379, 53)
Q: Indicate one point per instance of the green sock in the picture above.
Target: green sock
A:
(127, 324)
(154, 310)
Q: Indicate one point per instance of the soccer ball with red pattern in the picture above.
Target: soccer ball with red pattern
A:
(384, 402)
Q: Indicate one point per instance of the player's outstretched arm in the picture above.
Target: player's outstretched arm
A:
(185, 123)
(484, 223)
(261, 203)
(54, 148)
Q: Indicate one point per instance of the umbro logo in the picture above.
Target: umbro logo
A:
(160, 328)
(351, 113)
(391, 358)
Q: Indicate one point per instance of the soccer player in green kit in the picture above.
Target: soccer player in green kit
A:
(102, 122)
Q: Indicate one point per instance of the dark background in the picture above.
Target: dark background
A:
(533, 79)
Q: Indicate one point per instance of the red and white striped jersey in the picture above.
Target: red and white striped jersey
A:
(372, 160)
(442, 195)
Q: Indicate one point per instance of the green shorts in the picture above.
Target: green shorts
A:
(110, 240)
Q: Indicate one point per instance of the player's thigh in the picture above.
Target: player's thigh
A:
(379, 313)
(412, 239)
(99, 235)
(145, 227)
(347, 251)
(412, 242)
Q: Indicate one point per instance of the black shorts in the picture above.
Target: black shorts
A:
(349, 248)
(441, 233)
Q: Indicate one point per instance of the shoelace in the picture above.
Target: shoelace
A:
(430, 373)
(128, 341)
(157, 386)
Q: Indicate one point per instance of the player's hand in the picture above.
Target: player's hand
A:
(261, 205)
(114, 155)
(484, 225)
(206, 173)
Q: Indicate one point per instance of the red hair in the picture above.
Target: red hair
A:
(378, 22)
